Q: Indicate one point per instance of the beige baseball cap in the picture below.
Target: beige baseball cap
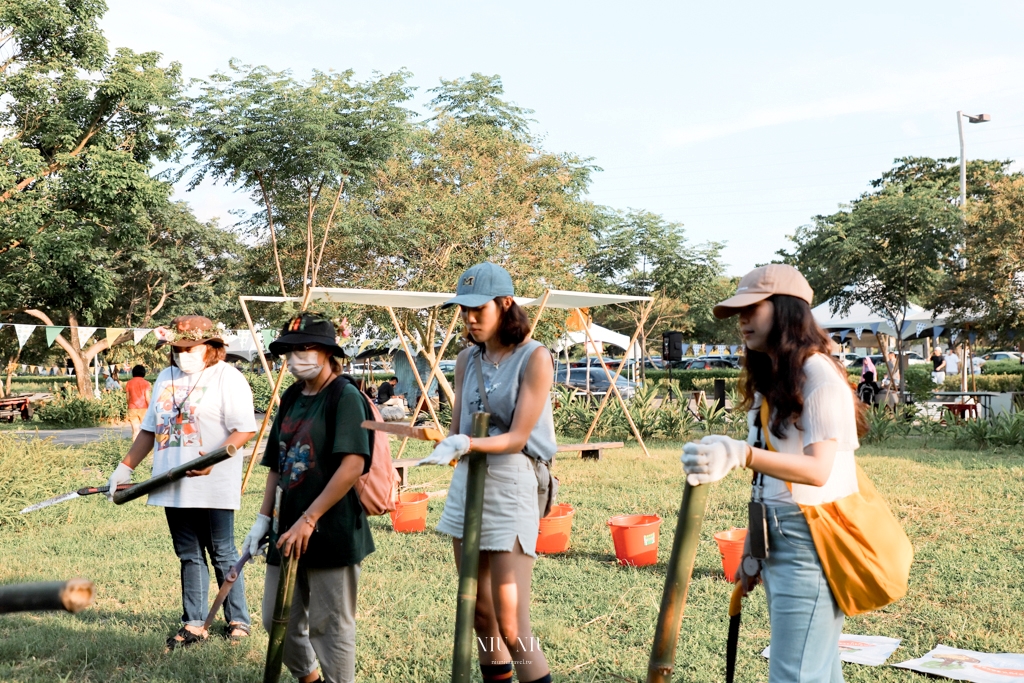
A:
(761, 283)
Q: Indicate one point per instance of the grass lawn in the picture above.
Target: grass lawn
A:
(594, 618)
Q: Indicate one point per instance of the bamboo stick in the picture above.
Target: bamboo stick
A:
(174, 474)
(677, 583)
(282, 613)
(274, 398)
(540, 311)
(72, 596)
(465, 610)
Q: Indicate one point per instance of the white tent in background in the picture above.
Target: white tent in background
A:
(862, 317)
(600, 335)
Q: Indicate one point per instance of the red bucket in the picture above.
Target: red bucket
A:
(635, 538)
(555, 530)
(730, 544)
(410, 513)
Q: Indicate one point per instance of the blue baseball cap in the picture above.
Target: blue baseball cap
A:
(480, 284)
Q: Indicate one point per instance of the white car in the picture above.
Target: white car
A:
(1002, 355)
(845, 358)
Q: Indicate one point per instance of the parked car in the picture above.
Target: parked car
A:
(1003, 355)
(913, 358)
(848, 359)
(650, 362)
(446, 366)
(709, 363)
(577, 379)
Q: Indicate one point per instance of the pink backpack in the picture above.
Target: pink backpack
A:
(378, 488)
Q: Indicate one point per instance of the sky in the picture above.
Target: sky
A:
(741, 120)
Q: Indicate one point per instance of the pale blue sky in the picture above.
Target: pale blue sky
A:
(739, 119)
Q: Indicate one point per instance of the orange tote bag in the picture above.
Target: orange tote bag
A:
(864, 552)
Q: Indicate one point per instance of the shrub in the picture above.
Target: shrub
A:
(262, 389)
(707, 385)
(1002, 367)
(69, 409)
(684, 378)
(999, 383)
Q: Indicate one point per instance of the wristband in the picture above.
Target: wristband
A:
(750, 457)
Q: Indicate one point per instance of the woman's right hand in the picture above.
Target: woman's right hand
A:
(122, 475)
(448, 451)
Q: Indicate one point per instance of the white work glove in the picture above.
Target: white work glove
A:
(121, 475)
(252, 540)
(713, 458)
(452, 448)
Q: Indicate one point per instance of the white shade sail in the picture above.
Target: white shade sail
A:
(562, 299)
(380, 297)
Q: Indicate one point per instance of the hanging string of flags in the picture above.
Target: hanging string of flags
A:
(24, 332)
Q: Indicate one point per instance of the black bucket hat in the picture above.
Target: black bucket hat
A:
(307, 328)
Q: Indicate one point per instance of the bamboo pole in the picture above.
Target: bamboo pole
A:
(435, 366)
(540, 311)
(412, 363)
(72, 596)
(174, 474)
(469, 568)
(255, 338)
(677, 583)
(618, 396)
(604, 399)
(279, 621)
(266, 421)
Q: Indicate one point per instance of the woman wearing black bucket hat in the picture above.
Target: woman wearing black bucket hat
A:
(508, 375)
(315, 459)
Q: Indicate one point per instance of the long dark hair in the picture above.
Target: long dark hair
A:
(514, 326)
(779, 377)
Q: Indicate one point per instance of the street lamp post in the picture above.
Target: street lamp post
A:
(976, 118)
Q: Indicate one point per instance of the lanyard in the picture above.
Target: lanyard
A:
(178, 406)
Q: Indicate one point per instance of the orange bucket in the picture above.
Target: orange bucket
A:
(555, 530)
(410, 513)
(635, 538)
(730, 544)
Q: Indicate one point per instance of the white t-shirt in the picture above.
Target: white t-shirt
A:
(189, 413)
(828, 414)
(952, 364)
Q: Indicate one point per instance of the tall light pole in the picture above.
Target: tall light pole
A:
(976, 118)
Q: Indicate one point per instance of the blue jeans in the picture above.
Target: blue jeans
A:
(196, 533)
(805, 620)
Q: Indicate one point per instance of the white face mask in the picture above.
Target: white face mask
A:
(193, 361)
(304, 364)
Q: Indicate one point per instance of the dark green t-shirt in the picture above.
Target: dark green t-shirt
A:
(296, 450)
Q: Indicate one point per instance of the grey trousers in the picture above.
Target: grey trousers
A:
(322, 624)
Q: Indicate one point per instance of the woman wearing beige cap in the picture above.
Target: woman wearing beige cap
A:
(810, 422)
(199, 403)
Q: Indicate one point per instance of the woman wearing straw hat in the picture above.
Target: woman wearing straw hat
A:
(509, 376)
(812, 429)
(199, 404)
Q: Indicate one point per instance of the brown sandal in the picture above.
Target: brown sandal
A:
(184, 638)
(236, 631)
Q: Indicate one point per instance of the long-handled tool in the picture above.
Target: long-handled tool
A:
(401, 429)
(677, 583)
(225, 588)
(469, 570)
(174, 474)
(85, 491)
(71, 596)
(732, 645)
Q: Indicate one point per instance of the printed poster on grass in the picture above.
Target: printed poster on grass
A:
(967, 665)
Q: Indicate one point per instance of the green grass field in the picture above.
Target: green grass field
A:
(594, 618)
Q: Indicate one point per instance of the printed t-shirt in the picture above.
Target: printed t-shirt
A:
(138, 390)
(296, 450)
(190, 413)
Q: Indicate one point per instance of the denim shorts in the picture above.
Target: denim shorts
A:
(805, 620)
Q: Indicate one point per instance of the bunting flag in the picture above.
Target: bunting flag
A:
(84, 335)
(140, 334)
(23, 332)
(52, 332)
(874, 329)
(992, 336)
(732, 350)
(685, 347)
(267, 336)
(858, 331)
(114, 332)
(843, 335)
(953, 335)
(919, 329)
(937, 331)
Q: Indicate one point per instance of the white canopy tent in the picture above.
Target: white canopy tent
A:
(860, 317)
(600, 335)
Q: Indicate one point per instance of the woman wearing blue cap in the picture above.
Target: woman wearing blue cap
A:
(509, 376)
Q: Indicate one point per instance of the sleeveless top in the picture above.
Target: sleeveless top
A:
(502, 386)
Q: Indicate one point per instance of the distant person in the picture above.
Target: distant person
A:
(110, 382)
(893, 380)
(868, 367)
(938, 366)
(868, 389)
(952, 363)
(386, 391)
(138, 390)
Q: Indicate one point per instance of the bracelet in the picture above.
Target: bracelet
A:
(750, 457)
(309, 520)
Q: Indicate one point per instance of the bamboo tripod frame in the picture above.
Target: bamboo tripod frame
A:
(434, 371)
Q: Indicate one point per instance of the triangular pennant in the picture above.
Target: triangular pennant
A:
(52, 332)
(874, 328)
(844, 334)
(685, 347)
(140, 334)
(113, 333)
(732, 350)
(918, 329)
(953, 335)
(267, 336)
(972, 336)
(23, 332)
(937, 331)
(85, 334)
(858, 331)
